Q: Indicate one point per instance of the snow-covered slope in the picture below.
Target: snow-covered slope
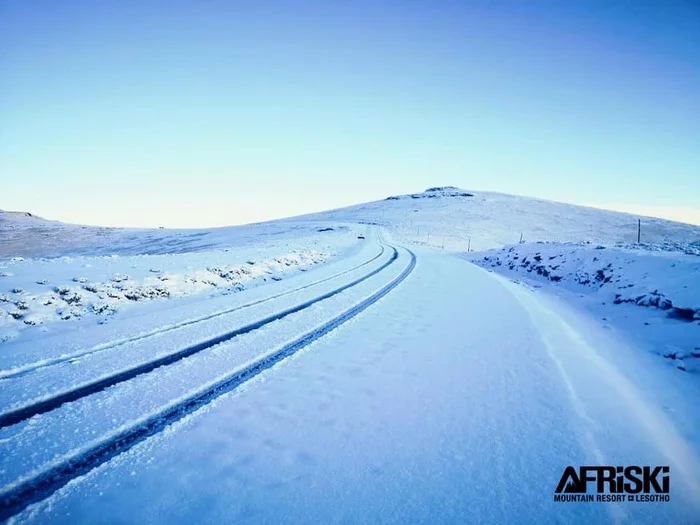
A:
(459, 219)
(26, 235)
(50, 271)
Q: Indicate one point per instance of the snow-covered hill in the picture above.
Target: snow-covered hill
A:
(444, 217)
(459, 219)
(26, 235)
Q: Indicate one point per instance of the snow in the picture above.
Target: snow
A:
(40, 302)
(661, 270)
(456, 219)
(653, 295)
(28, 236)
(20, 385)
(36, 293)
(399, 417)
(286, 372)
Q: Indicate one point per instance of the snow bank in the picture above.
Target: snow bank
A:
(661, 283)
(65, 298)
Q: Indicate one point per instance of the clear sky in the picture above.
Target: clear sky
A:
(212, 112)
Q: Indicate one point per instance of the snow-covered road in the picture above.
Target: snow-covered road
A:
(458, 397)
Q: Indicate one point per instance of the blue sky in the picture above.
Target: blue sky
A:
(212, 112)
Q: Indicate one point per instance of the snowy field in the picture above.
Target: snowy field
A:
(403, 361)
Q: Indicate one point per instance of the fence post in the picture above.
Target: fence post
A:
(639, 230)
(469, 245)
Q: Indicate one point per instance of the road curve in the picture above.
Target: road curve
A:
(454, 399)
(27, 481)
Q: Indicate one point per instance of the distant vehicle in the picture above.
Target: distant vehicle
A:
(360, 236)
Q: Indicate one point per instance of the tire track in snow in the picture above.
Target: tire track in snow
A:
(41, 406)
(19, 495)
(33, 367)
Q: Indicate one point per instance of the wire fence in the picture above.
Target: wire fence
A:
(478, 239)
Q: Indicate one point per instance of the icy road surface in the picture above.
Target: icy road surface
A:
(456, 397)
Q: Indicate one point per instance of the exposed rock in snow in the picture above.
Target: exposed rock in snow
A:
(433, 193)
